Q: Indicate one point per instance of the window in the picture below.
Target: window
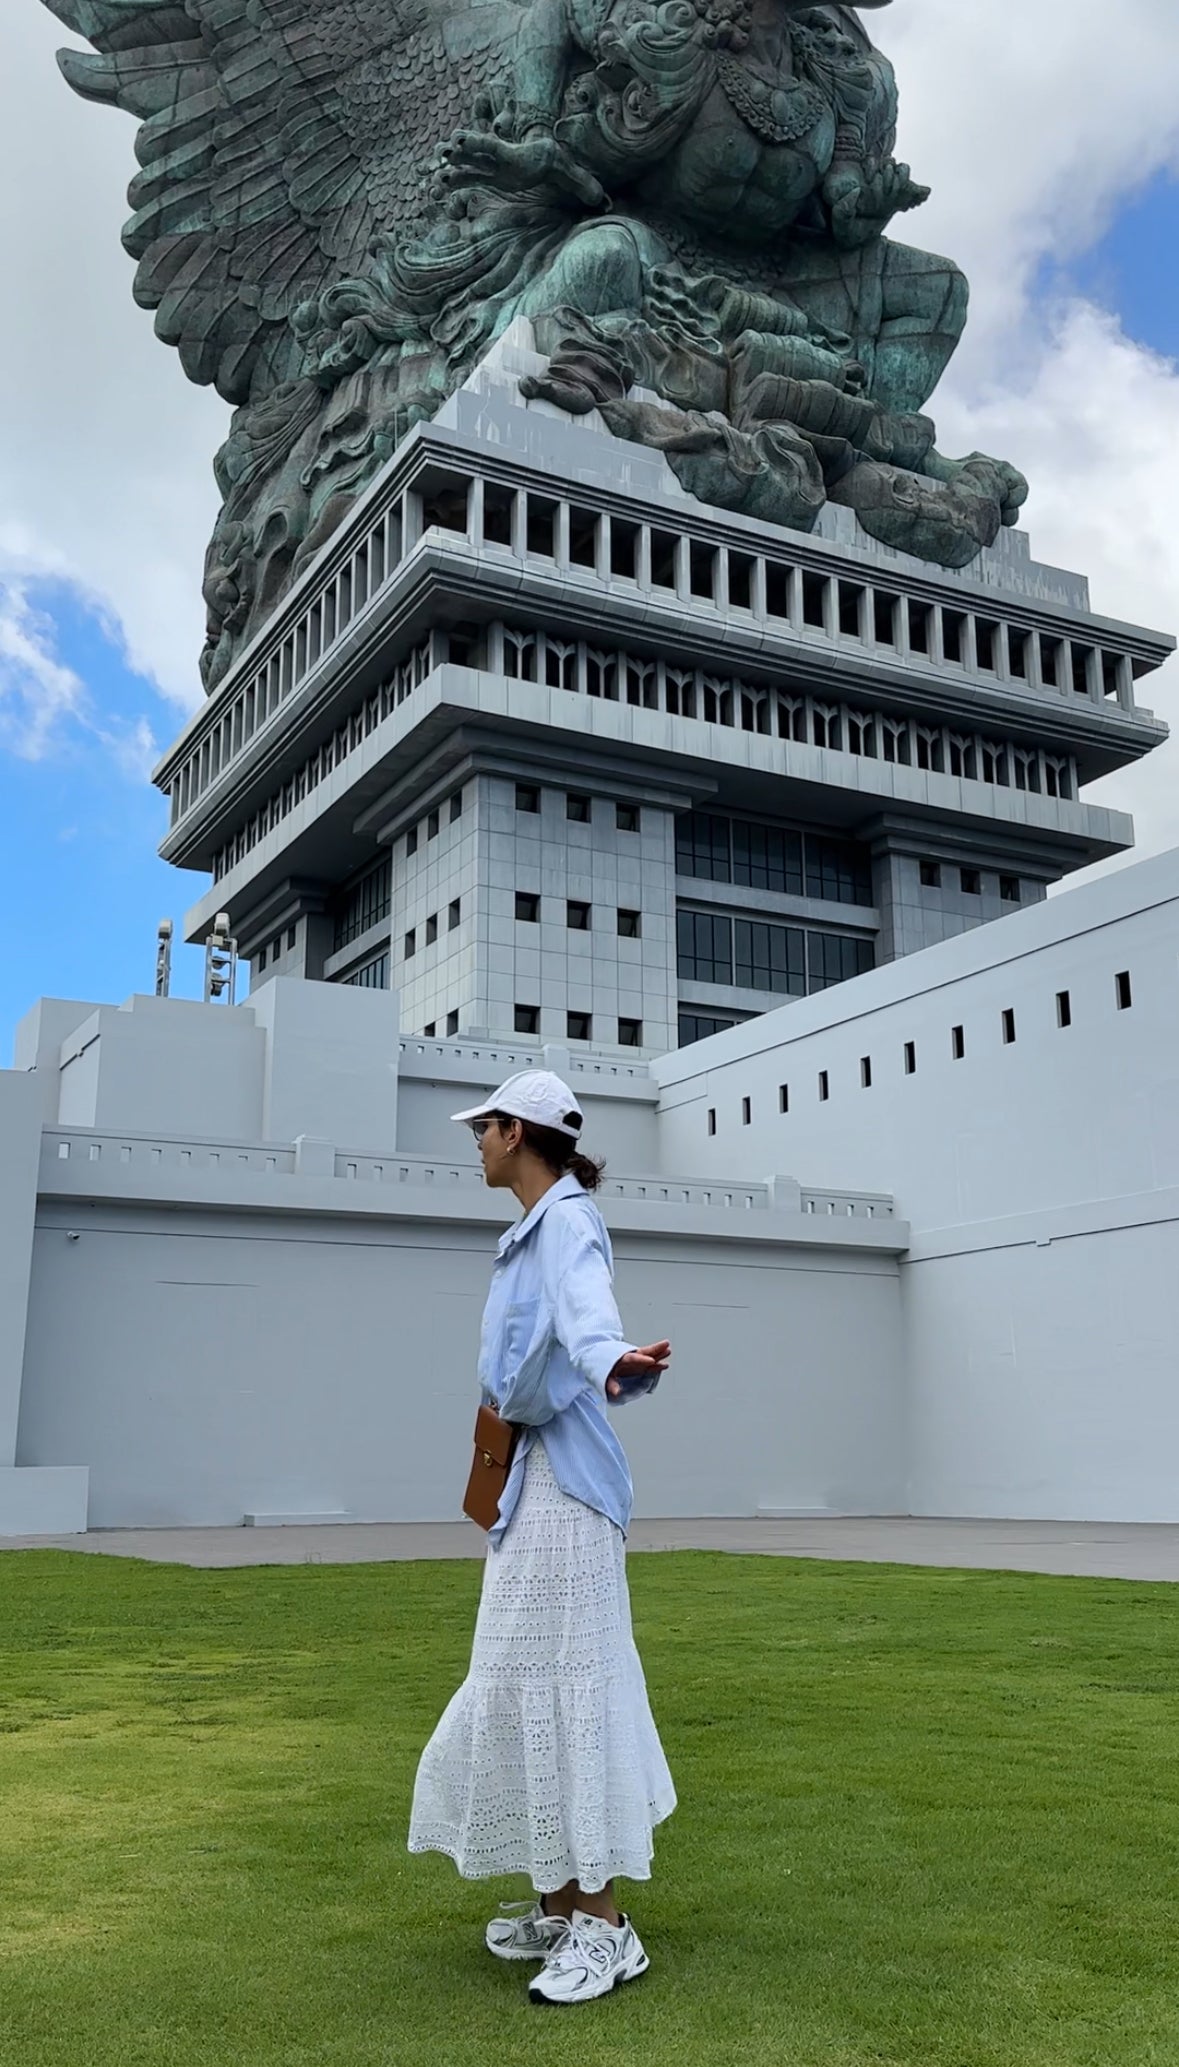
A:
(1122, 990)
(431, 929)
(746, 1111)
(630, 924)
(578, 1026)
(411, 841)
(411, 944)
(364, 905)
(626, 818)
(456, 806)
(824, 1087)
(630, 1033)
(452, 1022)
(527, 1020)
(834, 958)
(261, 958)
(577, 917)
(766, 858)
(432, 826)
(527, 798)
(577, 809)
(527, 908)
(931, 875)
(1064, 1008)
(712, 1119)
(783, 1098)
(1009, 889)
(770, 957)
(866, 1072)
(292, 936)
(276, 947)
(430, 1031)
(372, 975)
(455, 913)
(704, 947)
(702, 847)
(700, 1026)
(958, 1043)
(1008, 1027)
(837, 871)
(910, 1058)
(971, 882)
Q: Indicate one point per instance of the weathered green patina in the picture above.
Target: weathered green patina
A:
(342, 203)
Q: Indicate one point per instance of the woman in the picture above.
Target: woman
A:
(547, 1760)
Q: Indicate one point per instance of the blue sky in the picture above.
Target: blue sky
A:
(79, 819)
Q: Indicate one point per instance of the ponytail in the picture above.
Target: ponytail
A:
(562, 1155)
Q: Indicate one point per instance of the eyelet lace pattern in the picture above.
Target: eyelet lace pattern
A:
(547, 1760)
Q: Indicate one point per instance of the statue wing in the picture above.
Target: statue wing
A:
(278, 139)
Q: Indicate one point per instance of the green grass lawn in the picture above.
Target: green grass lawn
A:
(924, 1817)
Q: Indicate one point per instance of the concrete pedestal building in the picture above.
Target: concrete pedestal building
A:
(543, 758)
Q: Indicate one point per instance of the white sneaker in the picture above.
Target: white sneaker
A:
(525, 1932)
(594, 1958)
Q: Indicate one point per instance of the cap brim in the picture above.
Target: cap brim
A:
(477, 1112)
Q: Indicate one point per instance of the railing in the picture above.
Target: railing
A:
(773, 585)
(82, 1159)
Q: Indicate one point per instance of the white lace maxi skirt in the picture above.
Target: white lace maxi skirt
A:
(547, 1760)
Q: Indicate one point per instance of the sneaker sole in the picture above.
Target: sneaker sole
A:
(551, 2002)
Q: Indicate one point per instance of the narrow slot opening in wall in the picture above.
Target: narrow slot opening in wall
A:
(953, 634)
(866, 1072)
(663, 546)
(814, 590)
(741, 581)
(542, 527)
(746, 1111)
(1064, 1008)
(851, 599)
(885, 618)
(498, 504)
(1017, 647)
(958, 1043)
(702, 563)
(783, 1098)
(987, 641)
(624, 548)
(920, 615)
(1008, 1027)
(583, 538)
(910, 1058)
(444, 504)
(824, 1086)
(1111, 682)
(712, 1119)
(777, 589)
(1122, 990)
(1050, 661)
(1080, 657)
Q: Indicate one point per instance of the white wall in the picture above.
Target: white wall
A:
(211, 1363)
(1040, 1177)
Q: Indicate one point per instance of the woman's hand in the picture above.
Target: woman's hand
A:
(638, 1363)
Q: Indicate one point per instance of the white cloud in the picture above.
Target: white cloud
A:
(37, 693)
(1032, 124)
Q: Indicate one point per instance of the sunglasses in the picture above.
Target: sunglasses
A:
(479, 1128)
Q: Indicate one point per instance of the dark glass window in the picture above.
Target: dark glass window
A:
(527, 907)
(456, 806)
(578, 1026)
(456, 912)
(527, 1019)
(838, 871)
(452, 1022)
(630, 924)
(702, 847)
(698, 1026)
(833, 959)
(431, 929)
(630, 1033)
(372, 975)
(577, 809)
(704, 947)
(365, 904)
(626, 818)
(432, 826)
(767, 858)
(577, 918)
(527, 798)
(770, 957)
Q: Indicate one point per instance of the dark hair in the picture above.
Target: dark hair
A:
(560, 1152)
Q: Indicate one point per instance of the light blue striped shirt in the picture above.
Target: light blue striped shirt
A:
(551, 1337)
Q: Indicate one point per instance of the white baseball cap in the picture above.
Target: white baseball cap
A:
(533, 1094)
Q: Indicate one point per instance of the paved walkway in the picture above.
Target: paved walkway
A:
(1107, 1550)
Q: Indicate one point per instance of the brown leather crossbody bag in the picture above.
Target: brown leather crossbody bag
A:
(495, 1447)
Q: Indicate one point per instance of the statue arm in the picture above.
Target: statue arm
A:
(865, 186)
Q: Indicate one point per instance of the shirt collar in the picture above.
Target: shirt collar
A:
(565, 1188)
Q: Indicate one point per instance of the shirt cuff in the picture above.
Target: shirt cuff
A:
(599, 1361)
